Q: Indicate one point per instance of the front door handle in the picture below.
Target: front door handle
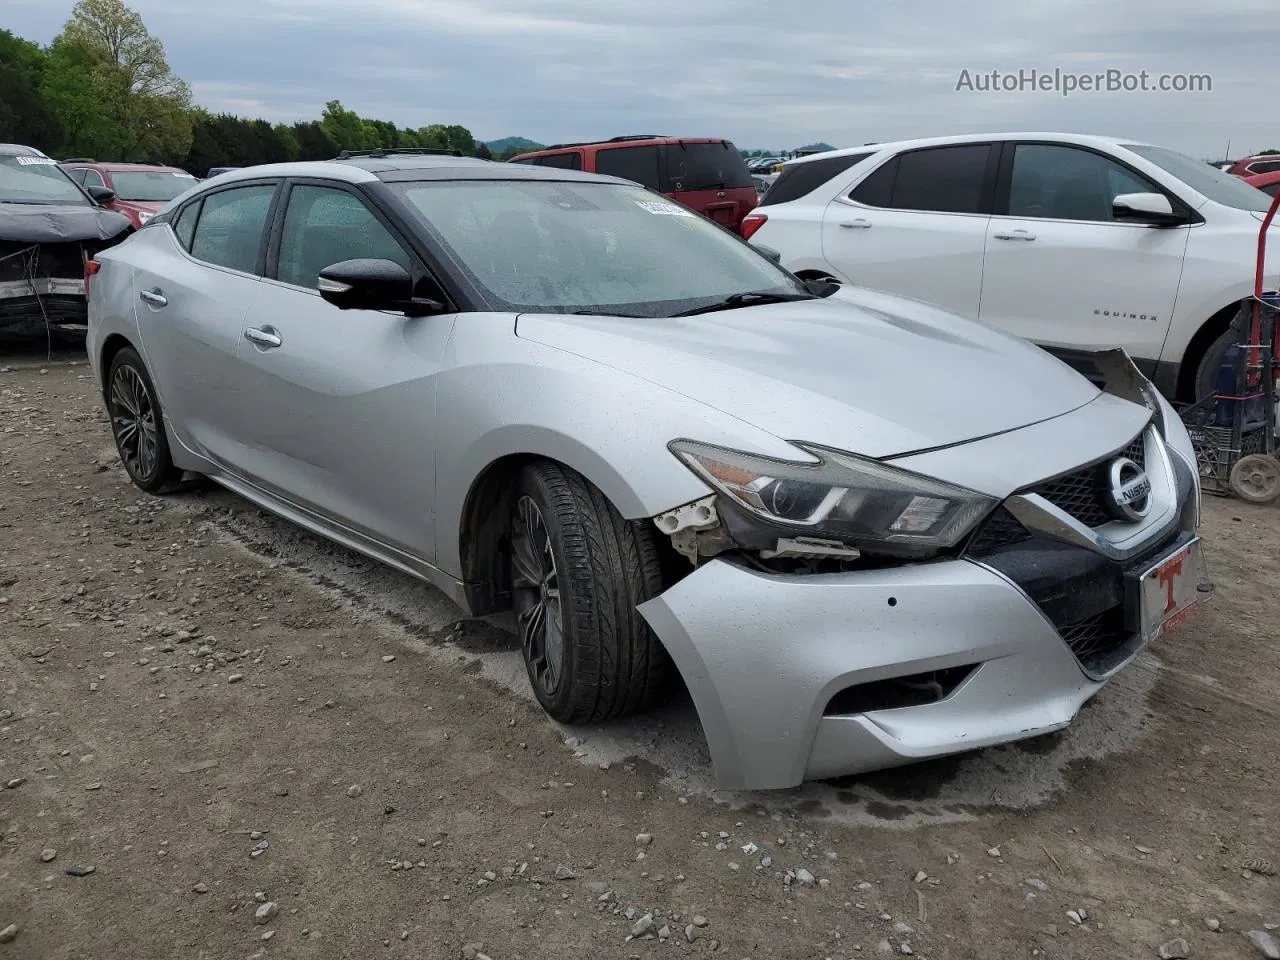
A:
(1015, 235)
(153, 297)
(264, 338)
(861, 223)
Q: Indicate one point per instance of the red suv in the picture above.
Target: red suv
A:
(705, 174)
(141, 190)
(1252, 166)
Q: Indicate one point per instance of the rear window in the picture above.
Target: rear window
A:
(803, 178)
(704, 166)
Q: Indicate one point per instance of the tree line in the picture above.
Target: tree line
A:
(103, 89)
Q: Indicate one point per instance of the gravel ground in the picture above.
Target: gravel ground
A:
(222, 738)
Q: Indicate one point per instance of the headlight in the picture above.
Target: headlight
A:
(877, 508)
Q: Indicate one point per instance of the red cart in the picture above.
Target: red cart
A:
(1234, 431)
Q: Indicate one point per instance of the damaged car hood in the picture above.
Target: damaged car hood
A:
(860, 371)
(58, 223)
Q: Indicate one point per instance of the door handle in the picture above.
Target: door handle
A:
(263, 338)
(861, 223)
(1015, 235)
(153, 297)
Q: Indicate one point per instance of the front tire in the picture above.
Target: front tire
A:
(137, 424)
(1211, 363)
(579, 570)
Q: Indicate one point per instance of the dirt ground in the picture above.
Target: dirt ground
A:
(264, 746)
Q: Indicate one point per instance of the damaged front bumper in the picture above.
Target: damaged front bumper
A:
(42, 305)
(803, 676)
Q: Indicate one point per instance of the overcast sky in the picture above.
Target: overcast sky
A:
(763, 73)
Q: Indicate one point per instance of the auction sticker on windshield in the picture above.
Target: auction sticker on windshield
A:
(1170, 590)
(663, 209)
(29, 161)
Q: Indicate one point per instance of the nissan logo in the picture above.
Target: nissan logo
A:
(1128, 490)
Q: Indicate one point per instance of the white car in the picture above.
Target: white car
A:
(1072, 242)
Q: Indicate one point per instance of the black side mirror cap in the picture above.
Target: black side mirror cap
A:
(769, 252)
(366, 284)
(101, 195)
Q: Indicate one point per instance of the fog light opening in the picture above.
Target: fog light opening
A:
(911, 690)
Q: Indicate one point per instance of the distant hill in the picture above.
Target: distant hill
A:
(819, 147)
(523, 144)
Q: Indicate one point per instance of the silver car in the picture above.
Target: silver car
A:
(860, 531)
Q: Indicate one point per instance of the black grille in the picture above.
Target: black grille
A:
(1095, 640)
(999, 530)
(1082, 493)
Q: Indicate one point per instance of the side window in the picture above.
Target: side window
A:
(942, 179)
(877, 189)
(92, 178)
(324, 226)
(76, 175)
(564, 161)
(639, 164)
(1264, 166)
(185, 225)
(1066, 183)
(231, 226)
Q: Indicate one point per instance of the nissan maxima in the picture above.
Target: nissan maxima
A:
(861, 531)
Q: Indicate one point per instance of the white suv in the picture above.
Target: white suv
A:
(1072, 242)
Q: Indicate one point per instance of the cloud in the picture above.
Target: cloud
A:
(759, 72)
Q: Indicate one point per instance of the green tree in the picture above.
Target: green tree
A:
(25, 114)
(483, 152)
(346, 129)
(124, 69)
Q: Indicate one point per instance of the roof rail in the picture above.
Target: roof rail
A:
(397, 151)
(78, 160)
(587, 143)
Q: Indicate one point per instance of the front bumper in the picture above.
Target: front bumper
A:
(799, 677)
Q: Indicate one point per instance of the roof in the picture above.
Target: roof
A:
(617, 141)
(121, 167)
(899, 145)
(18, 150)
(409, 167)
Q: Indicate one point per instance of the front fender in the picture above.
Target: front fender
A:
(506, 397)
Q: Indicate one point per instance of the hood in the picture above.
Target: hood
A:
(59, 223)
(860, 371)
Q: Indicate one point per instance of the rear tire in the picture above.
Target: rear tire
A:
(579, 570)
(137, 424)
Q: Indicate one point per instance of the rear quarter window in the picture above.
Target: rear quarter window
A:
(803, 178)
(638, 164)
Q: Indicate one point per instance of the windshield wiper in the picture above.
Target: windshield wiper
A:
(736, 300)
(610, 313)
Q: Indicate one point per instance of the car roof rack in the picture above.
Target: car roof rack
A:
(397, 151)
(587, 143)
(78, 160)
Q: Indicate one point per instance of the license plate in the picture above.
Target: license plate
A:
(1169, 590)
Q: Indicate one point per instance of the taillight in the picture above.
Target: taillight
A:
(90, 268)
(751, 223)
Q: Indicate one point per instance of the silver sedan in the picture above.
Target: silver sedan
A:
(859, 530)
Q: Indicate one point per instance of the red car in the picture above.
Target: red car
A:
(704, 174)
(1252, 166)
(1268, 183)
(141, 190)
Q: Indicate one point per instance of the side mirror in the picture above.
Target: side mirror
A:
(769, 252)
(1153, 208)
(373, 285)
(102, 195)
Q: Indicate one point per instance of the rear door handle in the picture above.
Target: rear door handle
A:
(153, 297)
(263, 338)
(861, 223)
(1015, 235)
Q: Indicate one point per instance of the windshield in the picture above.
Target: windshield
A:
(36, 180)
(590, 247)
(1223, 188)
(704, 166)
(153, 186)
